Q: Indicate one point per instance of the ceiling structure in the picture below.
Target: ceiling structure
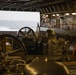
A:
(42, 6)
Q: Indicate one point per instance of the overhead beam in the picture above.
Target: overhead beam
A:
(68, 6)
(61, 12)
(41, 10)
(47, 10)
(50, 9)
(58, 8)
(44, 4)
(62, 7)
(53, 8)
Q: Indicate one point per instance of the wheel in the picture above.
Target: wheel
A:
(12, 46)
(26, 32)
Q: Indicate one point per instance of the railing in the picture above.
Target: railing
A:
(65, 26)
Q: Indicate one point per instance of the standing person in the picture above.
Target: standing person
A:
(52, 42)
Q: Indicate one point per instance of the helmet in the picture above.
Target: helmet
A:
(51, 32)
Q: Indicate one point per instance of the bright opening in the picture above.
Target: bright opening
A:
(15, 20)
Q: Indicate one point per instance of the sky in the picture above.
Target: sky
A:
(19, 16)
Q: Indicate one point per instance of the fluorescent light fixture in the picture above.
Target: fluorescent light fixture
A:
(67, 14)
(73, 13)
(53, 14)
(46, 15)
(57, 14)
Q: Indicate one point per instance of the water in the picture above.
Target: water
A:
(7, 25)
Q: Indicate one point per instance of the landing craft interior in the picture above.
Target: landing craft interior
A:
(26, 52)
(49, 48)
